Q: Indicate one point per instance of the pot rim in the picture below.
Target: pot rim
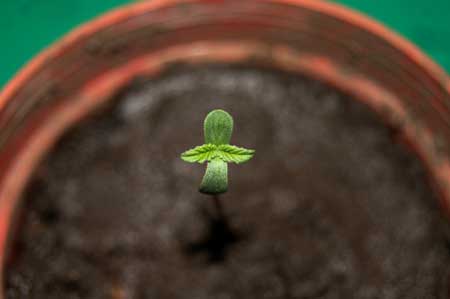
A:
(121, 13)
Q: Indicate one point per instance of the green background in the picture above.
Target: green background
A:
(28, 26)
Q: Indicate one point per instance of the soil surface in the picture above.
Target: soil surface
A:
(330, 206)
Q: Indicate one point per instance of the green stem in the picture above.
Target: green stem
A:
(215, 180)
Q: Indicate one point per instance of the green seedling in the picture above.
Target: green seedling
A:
(217, 152)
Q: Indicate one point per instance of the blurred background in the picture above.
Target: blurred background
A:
(28, 26)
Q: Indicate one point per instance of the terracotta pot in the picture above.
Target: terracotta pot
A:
(322, 40)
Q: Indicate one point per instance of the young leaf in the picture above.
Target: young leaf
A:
(215, 180)
(200, 153)
(218, 127)
(231, 153)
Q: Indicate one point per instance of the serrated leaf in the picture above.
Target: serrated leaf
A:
(231, 153)
(200, 154)
(218, 127)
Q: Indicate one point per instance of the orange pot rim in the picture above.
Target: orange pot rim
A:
(128, 11)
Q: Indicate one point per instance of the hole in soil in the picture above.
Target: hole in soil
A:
(50, 216)
(220, 236)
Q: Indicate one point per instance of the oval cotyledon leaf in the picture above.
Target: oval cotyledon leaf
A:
(218, 127)
(215, 180)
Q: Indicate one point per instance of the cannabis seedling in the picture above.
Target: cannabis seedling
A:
(217, 152)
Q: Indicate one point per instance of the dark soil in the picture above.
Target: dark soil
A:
(330, 206)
